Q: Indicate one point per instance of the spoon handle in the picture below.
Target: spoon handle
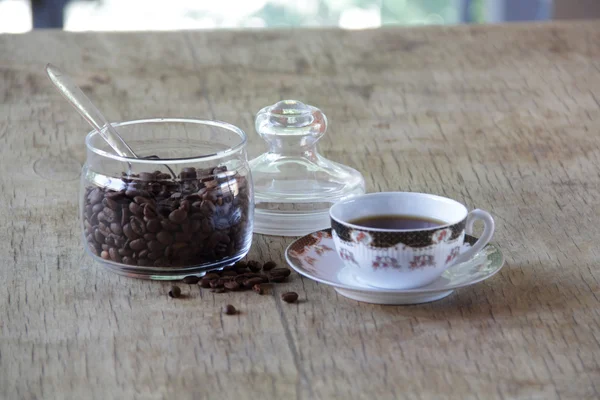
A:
(86, 108)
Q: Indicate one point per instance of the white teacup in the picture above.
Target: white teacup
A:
(404, 258)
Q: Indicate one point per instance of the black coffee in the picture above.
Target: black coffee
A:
(397, 222)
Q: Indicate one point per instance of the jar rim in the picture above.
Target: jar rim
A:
(161, 161)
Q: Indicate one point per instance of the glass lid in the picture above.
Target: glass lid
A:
(294, 186)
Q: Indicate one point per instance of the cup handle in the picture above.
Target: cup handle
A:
(486, 236)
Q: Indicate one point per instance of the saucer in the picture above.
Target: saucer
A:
(314, 256)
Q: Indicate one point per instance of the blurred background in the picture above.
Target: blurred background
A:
(122, 15)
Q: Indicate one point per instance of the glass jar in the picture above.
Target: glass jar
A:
(185, 206)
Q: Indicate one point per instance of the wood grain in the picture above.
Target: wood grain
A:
(503, 118)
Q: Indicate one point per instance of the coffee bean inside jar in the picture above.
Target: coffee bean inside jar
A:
(200, 217)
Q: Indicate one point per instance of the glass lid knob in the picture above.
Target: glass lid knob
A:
(294, 185)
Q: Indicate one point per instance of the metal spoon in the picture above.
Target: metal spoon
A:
(89, 111)
(92, 115)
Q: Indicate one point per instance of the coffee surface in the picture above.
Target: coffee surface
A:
(395, 221)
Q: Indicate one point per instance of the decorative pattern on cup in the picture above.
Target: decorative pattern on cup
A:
(443, 235)
(386, 239)
(361, 237)
(443, 249)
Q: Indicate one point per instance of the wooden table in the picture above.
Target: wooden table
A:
(505, 118)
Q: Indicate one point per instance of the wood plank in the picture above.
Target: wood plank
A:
(503, 118)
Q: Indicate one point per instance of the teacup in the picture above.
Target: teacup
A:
(404, 258)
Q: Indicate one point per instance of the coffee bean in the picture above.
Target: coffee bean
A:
(128, 260)
(132, 193)
(168, 225)
(125, 252)
(195, 226)
(128, 231)
(205, 283)
(280, 272)
(289, 297)
(191, 280)
(229, 310)
(137, 225)
(116, 228)
(216, 283)
(254, 266)
(97, 207)
(178, 216)
(207, 225)
(161, 262)
(98, 236)
(110, 240)
(258, 288)
(178, 246)
(248, 283)
(114, 254)
(95, 196)
(149, 211)
(277, 279)
(155, 255)
(232, 285)
(269, 265)
(229, 273)
(138, 244)
(112, 195)
(135, 209)
(120, 241)
(141, 200)
(175, 292)
(188, 173)
(165, 238)
(155, 246)
(110, 203)
(148, 237)
(185, 205)
(153, 225)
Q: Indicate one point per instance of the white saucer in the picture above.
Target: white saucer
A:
(314, 256)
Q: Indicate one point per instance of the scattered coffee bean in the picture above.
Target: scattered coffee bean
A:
(254, 266)
(289, 297)
(175, 292)
(205, 283)
(229, 310)
(216, 283)
(191, 280)
(280, 272)
(249, 283)
(269, 265)
(258, 288)
(232, 285)
(277, 279)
